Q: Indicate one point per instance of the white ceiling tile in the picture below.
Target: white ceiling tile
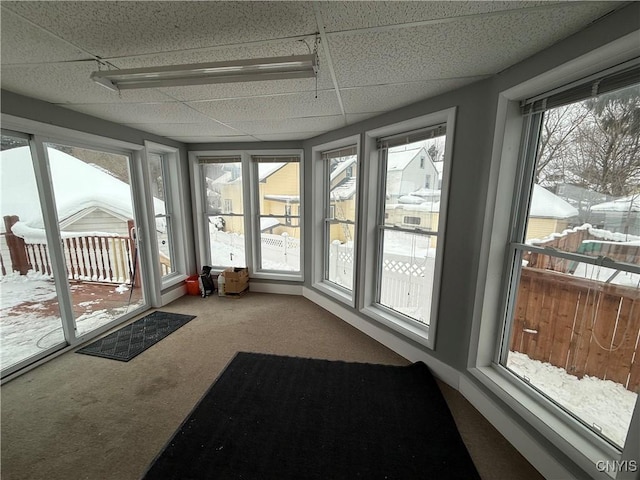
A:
(466, 47)
(67, 83)
(215, 139)
(25, 43)
(341, 16)
(359, 117)
(293, 125)
(142, 112)
(380, 98)
(112, 29)
(274, 108)
(276, 137)
(185, 129)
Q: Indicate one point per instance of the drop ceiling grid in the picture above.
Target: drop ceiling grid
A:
(381, 98)
(293, 125)
(127, 28)
(202, 129)
(143, 112)
(272, 108)
(23, 42)
(68, 84)
(345, 16)
(439, 51)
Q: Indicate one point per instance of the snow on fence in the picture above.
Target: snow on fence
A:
(585, 240)
(583, 326)
(406, 280)
(98, 258)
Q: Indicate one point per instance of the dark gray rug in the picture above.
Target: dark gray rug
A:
(270, 417)
(135, 338)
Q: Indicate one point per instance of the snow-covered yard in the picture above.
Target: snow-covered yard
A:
(29, 314)
(602, 404)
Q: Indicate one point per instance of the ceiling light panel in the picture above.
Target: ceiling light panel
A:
(246, 70)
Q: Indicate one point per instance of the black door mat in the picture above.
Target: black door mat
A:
(135, 338)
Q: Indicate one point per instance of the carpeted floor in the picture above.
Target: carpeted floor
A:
(84, 417)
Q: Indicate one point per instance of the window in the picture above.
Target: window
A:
(222, 189)
(278, 189)
(257, 193)
(167, 225)
(405, 270)
(403, 224)
(572, 321)
(340, 188)
(162, 209)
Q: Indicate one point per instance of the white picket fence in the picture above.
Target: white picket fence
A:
(279, 252)
(407, 282)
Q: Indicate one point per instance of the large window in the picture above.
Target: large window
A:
(223, 196)
(402, 224)
(167, 228)
(251, 204)
(340, 169)
(408, 219)
(572, 321)
(278, 207)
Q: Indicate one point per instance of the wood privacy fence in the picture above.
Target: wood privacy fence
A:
(586, 327)
(96, 258)
(580, 240)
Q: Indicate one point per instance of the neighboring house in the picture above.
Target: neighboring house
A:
(342, 204)
(408, 171)
(89, 201)
(548, 214)
(621, 215)
(279, 194)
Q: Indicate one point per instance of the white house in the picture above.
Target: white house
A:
(408, 171)
(621, 215)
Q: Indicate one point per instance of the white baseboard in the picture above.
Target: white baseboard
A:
(389, 339)
(277, 288)
(172, 295)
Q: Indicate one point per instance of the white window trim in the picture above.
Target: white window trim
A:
(582, 446)
(39, 135)
(173, 186)
(319, 187)
(250, 210)
(423, 334)
(257, 271)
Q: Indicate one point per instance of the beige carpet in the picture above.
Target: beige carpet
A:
(82, 417)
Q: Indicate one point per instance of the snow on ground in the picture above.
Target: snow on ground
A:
(597, 402)
(31, 330)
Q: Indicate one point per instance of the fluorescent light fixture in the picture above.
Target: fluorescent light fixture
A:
(252, 70)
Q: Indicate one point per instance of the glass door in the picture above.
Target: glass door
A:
(31, 323)
(96, 215)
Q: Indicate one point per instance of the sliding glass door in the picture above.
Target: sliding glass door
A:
(30, 320)
(70, 266)
(97, 222)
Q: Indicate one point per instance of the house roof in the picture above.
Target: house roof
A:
(630, 203)
(545, 204)
(398, 160)
(76, 184)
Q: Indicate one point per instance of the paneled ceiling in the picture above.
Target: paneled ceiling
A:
(374, 57)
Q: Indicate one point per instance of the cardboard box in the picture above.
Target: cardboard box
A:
(236, 280)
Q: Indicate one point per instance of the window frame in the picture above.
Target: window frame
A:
(174, 210)
(320, 245)
(370, 242)
(257, 270)
(251, 213)
(565, 433)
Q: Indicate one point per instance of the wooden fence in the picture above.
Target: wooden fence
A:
(96, 258)
(586, 327)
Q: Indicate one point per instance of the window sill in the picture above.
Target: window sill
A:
(342, 295)
(417, 333)
(172, 280)
(568, 435)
